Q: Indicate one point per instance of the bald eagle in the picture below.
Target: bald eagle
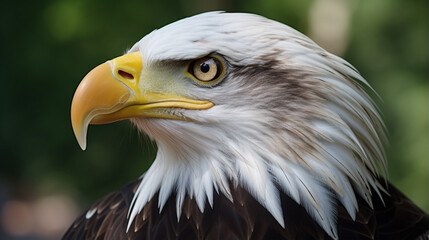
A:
(261, 134)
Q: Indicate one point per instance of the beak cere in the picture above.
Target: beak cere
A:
(110, 92)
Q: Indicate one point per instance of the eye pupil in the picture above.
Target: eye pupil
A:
(204, 67)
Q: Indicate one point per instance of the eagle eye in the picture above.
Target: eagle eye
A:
(207, 69)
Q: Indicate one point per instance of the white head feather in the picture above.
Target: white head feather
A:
(288, 116)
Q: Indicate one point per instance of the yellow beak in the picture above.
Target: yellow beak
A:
(110, 92)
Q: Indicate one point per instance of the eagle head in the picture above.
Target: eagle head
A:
(234, 99)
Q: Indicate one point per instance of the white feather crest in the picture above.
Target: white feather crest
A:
(236, 143)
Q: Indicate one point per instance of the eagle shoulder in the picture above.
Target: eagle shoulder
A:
(396, 217)
(106, 219)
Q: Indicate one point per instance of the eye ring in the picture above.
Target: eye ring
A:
(206, 69)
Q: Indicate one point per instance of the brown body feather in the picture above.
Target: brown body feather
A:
(398, 218)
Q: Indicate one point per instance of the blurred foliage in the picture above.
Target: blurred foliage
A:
(48, 46)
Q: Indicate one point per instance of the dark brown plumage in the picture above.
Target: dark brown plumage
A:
(245, 219)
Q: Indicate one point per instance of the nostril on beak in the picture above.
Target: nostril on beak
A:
(125, 75)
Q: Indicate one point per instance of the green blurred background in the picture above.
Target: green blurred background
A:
(48, 46)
